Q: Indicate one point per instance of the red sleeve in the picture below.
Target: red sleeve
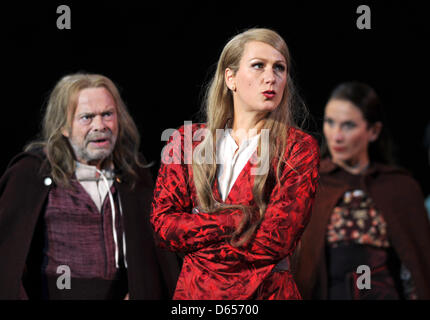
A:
(177, 228)
(289, 208)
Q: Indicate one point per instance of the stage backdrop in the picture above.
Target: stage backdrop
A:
(162, 55)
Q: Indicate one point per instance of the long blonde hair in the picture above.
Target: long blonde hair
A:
(61, 106)
(219, 109)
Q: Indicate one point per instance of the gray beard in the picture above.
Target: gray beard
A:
(96, 155)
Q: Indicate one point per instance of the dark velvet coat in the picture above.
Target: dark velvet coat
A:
(152, 272)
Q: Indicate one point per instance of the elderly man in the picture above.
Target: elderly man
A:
(74, 207)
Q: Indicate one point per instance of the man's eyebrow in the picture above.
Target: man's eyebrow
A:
(88, 113)
(85, 114)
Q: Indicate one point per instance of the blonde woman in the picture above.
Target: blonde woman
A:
(236, 220)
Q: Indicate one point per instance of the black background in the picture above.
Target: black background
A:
(162, 54)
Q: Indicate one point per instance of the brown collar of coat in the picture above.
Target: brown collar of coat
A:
(327, 166)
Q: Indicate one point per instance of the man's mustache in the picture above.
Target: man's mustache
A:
(91, 137)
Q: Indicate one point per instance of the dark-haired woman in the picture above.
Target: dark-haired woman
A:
(368, 237)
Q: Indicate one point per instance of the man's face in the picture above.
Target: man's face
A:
(94, 126)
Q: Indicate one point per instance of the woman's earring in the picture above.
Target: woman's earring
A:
(233, 88)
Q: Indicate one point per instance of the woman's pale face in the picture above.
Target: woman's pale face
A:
(259, 83)
(347, 133)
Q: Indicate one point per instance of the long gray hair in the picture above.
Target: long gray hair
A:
(61, 106)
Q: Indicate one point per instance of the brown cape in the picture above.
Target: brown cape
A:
(400, 200)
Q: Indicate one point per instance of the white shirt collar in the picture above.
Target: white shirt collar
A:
(85, 172)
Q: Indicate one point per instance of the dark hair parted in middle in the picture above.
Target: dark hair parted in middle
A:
(367, 100)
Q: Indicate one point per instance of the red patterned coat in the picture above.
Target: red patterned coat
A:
(212, 268)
